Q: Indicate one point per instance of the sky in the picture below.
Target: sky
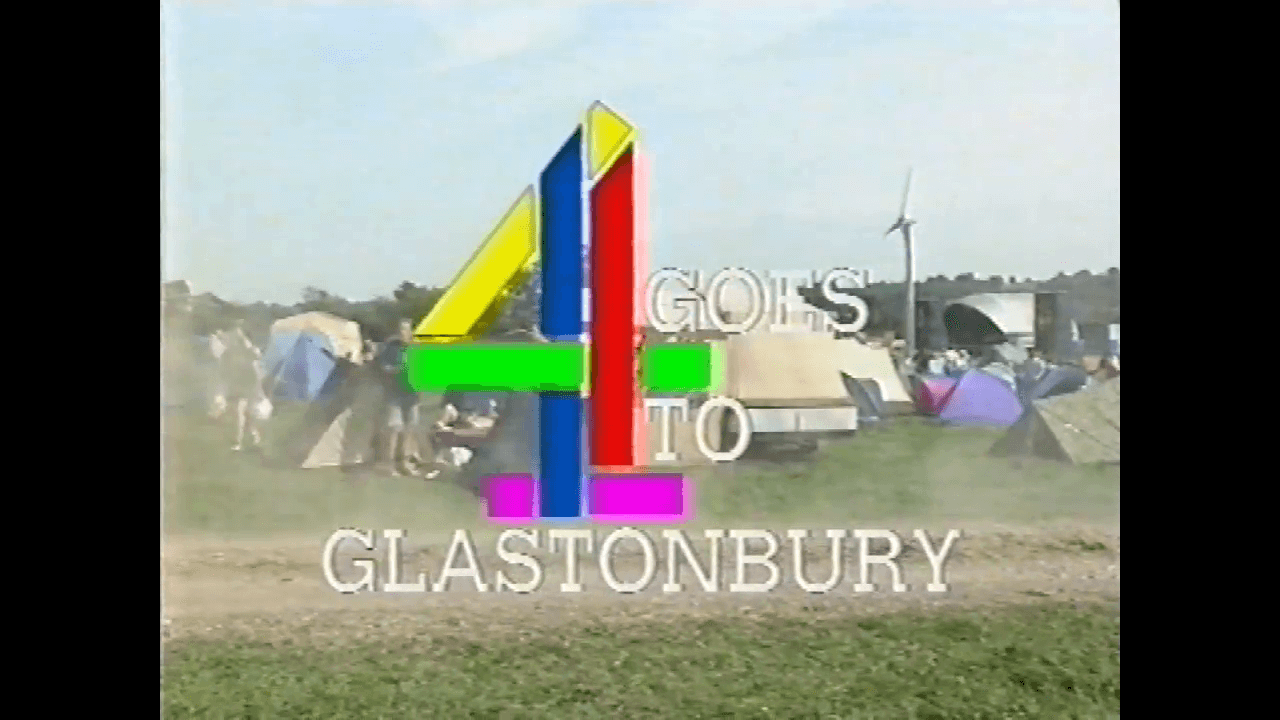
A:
(354, 146)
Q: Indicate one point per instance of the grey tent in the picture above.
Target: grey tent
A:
(339, 429)
(866, 395)
(1060, 380)
(1080, 428)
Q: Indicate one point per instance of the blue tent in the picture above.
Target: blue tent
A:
(297, 366)
(1058, 381)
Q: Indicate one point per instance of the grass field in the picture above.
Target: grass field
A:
(1032, 630)
(1028, 662)
(912, 471)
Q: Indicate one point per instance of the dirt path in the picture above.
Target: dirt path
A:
(275, 589)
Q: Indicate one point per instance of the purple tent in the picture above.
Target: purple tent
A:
(982, 399)
(932, 393)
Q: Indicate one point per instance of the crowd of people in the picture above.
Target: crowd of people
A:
(243, 388)
(1029, 365)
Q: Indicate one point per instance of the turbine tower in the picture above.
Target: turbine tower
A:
(904, 224)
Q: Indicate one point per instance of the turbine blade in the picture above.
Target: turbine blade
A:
(902, 212)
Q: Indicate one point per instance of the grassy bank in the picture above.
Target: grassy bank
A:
(1040, 661)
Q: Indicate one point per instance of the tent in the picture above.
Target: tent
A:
(1081, 427)
(805, 370)
(300, 356)
(1002, 372)
(339, 428)
(980, 398)
(866, 362)
(866, 395)
(343, 336)
(1059, 380)
(297, 366)
(932, 393)
(877, 401)
(784, 370)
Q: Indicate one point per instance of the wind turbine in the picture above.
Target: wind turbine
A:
(904, 224)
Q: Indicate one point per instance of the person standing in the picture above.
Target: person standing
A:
(936, 364)
(401, 402)
(1108, 369)
(217, 391)
(1035, 367)
(951, 363)
(242, 381)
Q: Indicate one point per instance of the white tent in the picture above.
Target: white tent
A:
(787, 369)
(800, 369)
(344, 335)
(865, 362)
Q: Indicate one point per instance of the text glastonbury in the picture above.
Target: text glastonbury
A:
(461, 563)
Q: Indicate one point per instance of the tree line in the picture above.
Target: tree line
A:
(1096, 298)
